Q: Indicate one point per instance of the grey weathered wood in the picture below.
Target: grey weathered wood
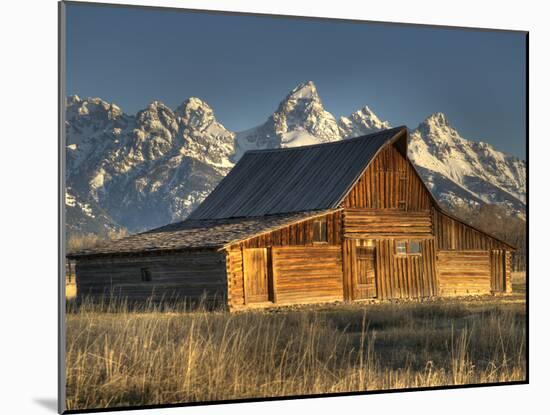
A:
(190, 275)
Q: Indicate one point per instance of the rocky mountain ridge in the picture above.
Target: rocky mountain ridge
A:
(145, 170)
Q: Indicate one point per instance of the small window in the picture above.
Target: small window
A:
(320, 230)
(414, 248)
(145, 275)
(401, 248)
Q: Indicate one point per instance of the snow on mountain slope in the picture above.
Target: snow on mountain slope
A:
(477, 167)
(149, 169)
(146, 170)
(205, 138)
(86, 216)
(360, 123)
(299, 120)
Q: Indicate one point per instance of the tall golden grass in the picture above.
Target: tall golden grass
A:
(117, 356)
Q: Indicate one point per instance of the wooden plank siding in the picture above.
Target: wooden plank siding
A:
(235, 277)
(390, 182)
(389, 202)
(501, 275)
(376, 223)
(508, 272)
(348, 268)
(189, 275)
(405, 276)
(307, 274)
(365, 272)
(256, 285)
(464, 272)
(397, 276)
(452, 235)
(298, 234)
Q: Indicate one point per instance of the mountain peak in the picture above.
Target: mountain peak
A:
(156, 118)
(439, 119)
(91, 107)
(302, 100)
(306, 90)
(361, 122)
(154, 110)
(155, 106)
(195, 112)
(73, 99)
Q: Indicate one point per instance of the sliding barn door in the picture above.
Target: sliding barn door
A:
(256, 288)
(365, 273)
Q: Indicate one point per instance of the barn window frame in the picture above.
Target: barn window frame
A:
(146, 275)
(401, 248)
(408, 248)
(417, 250)
(320, 234)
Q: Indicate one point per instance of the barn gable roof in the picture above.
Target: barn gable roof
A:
(197, 234)
(316, 177)
(268, 190)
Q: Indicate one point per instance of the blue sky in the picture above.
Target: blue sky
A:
(243, 66)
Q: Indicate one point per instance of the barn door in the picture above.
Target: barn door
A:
(498, 271)
(256, 288)
(365, 273)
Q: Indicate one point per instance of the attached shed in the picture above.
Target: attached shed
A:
(348, 220)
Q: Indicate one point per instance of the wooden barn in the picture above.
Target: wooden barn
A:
(342, 221)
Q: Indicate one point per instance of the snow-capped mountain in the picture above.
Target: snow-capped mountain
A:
(299, 120)
(479, 172)
(361, 122)
(145, 170)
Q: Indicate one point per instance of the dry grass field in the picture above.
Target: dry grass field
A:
(120, 357)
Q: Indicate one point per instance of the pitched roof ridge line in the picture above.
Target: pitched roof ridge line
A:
(343, 141)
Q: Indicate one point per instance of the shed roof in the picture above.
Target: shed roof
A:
(197, 234)
(316, 177)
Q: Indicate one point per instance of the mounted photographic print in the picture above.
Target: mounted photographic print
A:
(259, 206)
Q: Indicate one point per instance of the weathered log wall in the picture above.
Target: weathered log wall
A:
(298, 274)
(464, 272)
(189, 275)
(376, 223)
(307, 274)
(298, 235)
